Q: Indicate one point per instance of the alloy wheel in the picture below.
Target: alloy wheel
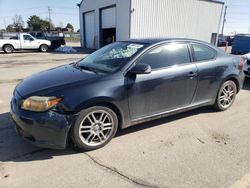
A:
(96, 128)
(227, 95)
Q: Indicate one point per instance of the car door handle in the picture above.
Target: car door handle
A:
(192, 74)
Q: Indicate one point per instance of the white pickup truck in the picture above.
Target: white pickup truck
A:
(24, 41)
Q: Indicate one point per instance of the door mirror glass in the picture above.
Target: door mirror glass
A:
(140, 69)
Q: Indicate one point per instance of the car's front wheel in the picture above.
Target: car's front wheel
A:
(94, 128)
(226, 96)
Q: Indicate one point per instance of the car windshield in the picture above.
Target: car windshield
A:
(109, 58)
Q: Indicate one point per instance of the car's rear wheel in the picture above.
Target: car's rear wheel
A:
(8, 49)
(226, 96)
(94, 128)
(43, 48)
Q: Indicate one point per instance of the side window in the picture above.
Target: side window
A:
(27, 37)
(202, 52)
(166, 55)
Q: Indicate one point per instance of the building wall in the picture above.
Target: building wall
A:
(196, 19)
(122, 17)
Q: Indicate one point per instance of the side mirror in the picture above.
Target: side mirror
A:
(140, 69)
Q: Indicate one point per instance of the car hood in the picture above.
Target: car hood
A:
(54, 79)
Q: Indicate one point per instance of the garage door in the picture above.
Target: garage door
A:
(89, 29)
(109, 18)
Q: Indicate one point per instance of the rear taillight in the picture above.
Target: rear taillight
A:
(242, 63)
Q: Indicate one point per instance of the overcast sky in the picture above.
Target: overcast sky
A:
(66, 11)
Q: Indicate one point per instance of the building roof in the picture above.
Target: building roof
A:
(213, 1)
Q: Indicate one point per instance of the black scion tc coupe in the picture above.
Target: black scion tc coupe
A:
(123, 84)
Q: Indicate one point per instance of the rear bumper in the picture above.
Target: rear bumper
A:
(247, 70)
(247, 73)
(46, 130)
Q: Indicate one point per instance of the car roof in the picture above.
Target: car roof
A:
(155, 41)
(151, 41)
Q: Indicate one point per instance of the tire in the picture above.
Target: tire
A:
(226, 96)
(94, 128)
(43, 48)
(8, 48)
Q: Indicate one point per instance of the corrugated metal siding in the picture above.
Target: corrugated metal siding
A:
(175, 18)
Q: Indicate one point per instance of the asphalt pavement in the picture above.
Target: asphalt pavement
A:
(199, 148)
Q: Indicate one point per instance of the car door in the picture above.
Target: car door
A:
(29, 42)
(170, 85)
(210, 72)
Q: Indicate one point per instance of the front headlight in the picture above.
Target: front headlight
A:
(40, 104)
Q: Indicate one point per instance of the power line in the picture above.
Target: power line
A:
(16, 10)
(34, 9)
(65, 8)
(26, 14)
(66, 13)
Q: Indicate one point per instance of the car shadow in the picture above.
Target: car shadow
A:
(20, 52)
(14, 148)
(154, 123)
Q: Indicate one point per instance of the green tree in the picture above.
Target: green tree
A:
(70, 26)
(10, 28)
(18, 23)
(35, 23)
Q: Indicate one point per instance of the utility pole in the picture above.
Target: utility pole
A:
(4, 23)
(224, 20)
(49, 10)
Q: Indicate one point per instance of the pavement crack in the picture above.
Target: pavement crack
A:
(114, 170)
(201, 141)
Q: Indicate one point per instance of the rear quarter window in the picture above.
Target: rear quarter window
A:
(203, 52)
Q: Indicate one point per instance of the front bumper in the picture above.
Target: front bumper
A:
(47, 130)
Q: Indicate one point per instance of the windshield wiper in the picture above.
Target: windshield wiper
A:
(88, 68)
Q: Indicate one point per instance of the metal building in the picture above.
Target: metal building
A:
(105, 21)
